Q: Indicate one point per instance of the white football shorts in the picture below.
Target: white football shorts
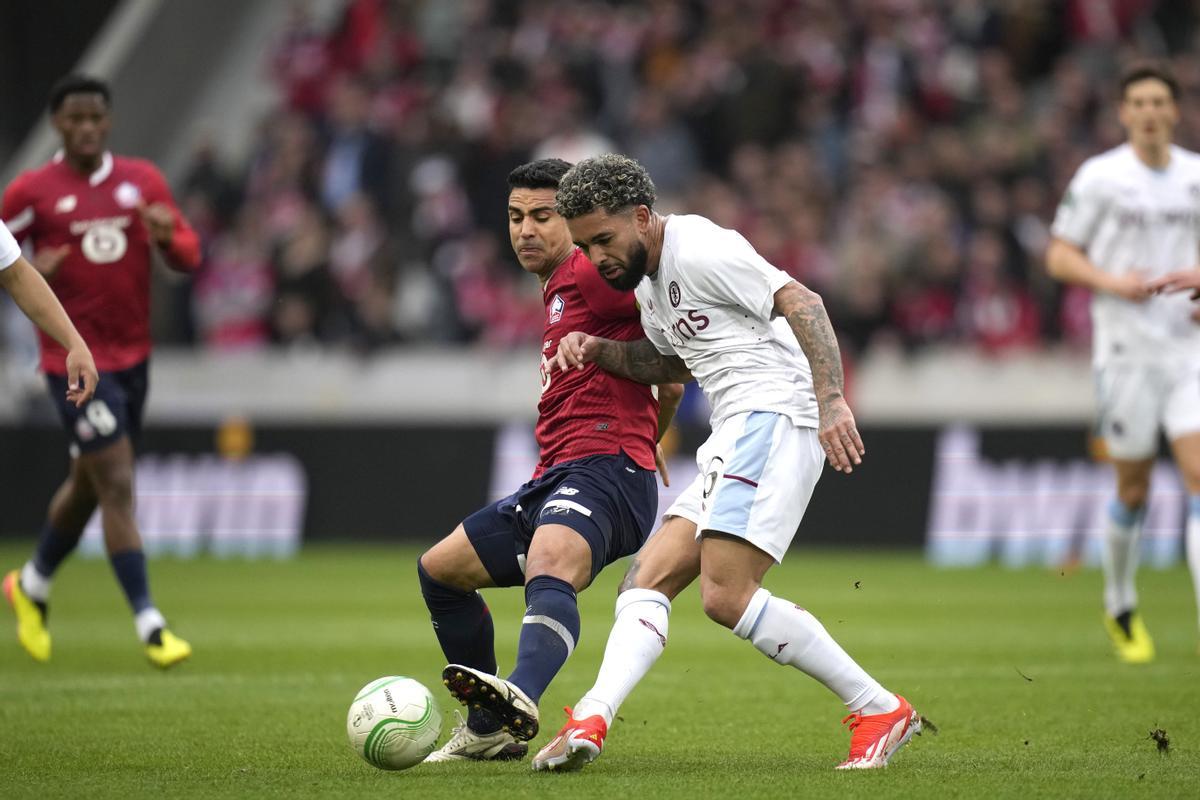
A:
(757, 474)
(1134, 400)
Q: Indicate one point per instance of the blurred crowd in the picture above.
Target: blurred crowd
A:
(902, 157)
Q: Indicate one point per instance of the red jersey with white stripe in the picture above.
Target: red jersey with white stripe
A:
(591, 412)
(104, 281)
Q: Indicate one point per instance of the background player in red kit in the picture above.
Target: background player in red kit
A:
(591, 501)
(94, 220)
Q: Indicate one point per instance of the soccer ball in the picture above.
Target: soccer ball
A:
(393, 723)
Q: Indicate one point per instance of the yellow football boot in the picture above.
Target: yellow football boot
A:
(169, 651)
(31, 624)
(1135, 648)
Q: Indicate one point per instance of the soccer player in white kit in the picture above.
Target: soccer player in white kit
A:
(714, 309)
(1127, 226)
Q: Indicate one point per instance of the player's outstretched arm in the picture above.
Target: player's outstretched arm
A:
(638, 360)
(35, 298)
(805, 313)
(1066, 262)
(1184, 280)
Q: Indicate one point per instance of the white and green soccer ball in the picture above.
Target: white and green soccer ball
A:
(393, 723)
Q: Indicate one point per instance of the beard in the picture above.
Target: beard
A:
(635, 269)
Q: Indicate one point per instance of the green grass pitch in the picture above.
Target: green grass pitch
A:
(1012, 666)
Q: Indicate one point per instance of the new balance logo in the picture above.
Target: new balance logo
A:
(777, 652)
(569, 491)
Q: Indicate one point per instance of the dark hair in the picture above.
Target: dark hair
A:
(1146, 71)
(544, 173)
(609, 182)
(78, 84)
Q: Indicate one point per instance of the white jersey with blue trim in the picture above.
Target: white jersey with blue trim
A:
(1128, 216)
(711, 302)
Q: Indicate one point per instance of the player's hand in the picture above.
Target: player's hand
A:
(81, 375)
(1131, 286)
(1183, 280)
(839, 435)
(660, 461)
(573, 351)
(159, 221)
(49, 259)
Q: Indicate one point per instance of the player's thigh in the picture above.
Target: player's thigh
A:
(1130, 400)
(497, 535)
(1182, 423)
(561, 552)
(608, 500)
(669, 561)
(455, 562)
(759, 473)
(1186, 449)
(110, 471)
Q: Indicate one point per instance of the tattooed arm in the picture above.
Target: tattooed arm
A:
(806, 315)
(638, 360)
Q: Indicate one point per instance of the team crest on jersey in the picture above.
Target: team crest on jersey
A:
(127, 195)
(66, 204)
(674, 293)
(556, 308)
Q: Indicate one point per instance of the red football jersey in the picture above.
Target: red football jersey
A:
(104, 281)
(591, 412)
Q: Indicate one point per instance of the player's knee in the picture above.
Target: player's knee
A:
(434, 569)
(1133, 494)
(114, 486)
(436, 587)
(566, 557)
(722, 604)
(573, 570)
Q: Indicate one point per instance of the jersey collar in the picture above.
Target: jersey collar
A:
(102, 172)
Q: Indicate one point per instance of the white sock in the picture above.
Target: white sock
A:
(1120, 558)
(1193, 543)
(35, 584)
(636, 641)
(787, 634)
(147, 621)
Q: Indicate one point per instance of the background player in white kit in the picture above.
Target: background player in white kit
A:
(708, 301)
(1130, 218)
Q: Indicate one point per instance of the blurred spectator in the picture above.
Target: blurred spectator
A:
(903, 157)
(356, 158)
(233, 292)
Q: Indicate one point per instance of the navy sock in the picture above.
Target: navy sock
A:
(463, 625)
(53, 547)
(130, 567)
(548, 635)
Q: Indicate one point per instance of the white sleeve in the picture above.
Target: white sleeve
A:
(10, 251)
(1082, 208)
(654, 334)
(731, 272)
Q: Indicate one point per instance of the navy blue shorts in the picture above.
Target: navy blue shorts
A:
(114, 411)
(609, 500)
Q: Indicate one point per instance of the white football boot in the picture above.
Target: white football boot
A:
(467, 745)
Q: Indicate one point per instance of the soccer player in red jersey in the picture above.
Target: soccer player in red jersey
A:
(592, 499)
(95, 220)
